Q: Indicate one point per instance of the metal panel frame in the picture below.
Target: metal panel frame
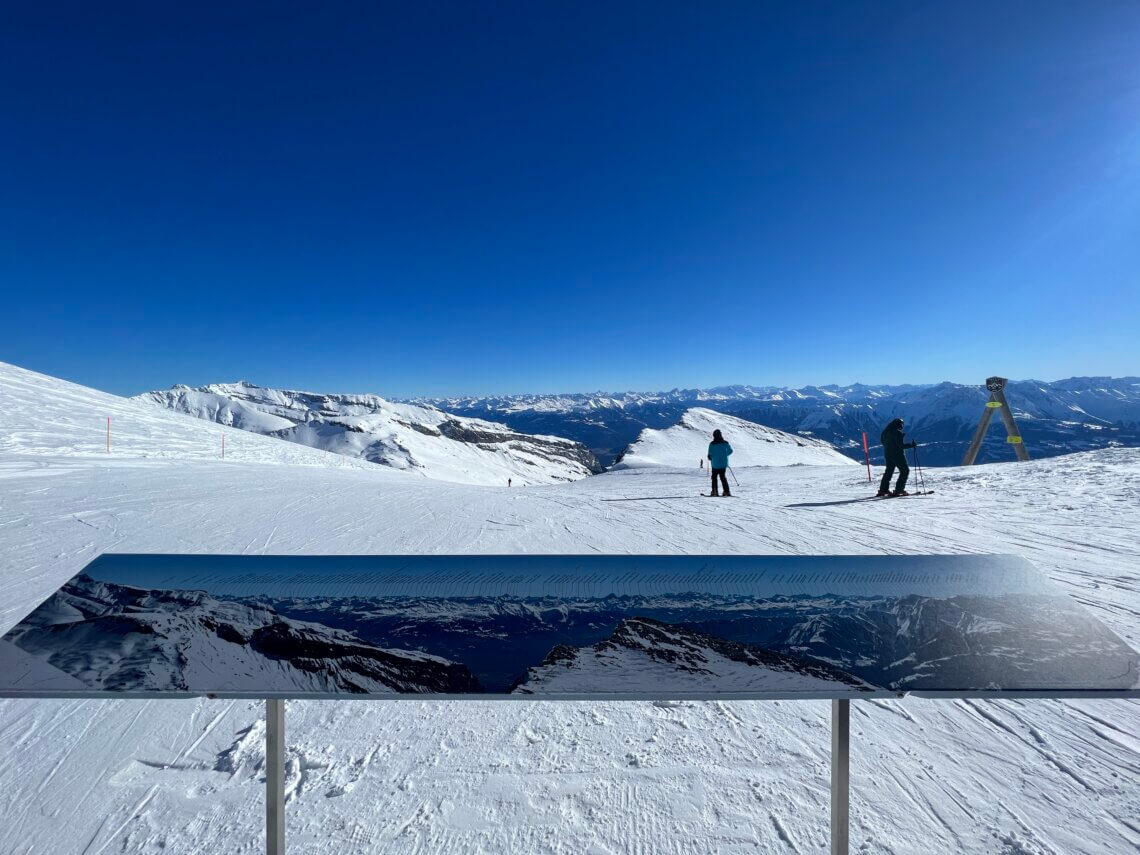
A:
(840, 775)
(879, 694)
(275, 776)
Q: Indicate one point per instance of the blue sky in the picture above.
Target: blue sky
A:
(477, 198)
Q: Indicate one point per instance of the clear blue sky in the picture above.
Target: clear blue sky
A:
(426, 198)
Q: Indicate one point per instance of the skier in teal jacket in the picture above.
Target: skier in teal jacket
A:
(718, 461)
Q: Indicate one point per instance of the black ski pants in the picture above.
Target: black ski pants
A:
(904, 473)
(723, 480)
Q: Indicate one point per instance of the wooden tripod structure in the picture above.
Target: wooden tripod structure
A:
(997, 401)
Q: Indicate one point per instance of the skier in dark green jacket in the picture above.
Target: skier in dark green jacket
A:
(719, 450)
(894, 450)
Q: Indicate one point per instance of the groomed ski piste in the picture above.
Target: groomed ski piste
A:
(541, 777)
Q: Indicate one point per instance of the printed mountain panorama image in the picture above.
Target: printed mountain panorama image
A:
(515, 626)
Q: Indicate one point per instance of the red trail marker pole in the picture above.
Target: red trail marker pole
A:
(867, 456)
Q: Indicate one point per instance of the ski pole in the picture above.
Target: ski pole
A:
(918, 466)
(918, 470)
(733, 474)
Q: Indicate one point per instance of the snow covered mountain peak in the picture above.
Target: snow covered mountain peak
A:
(410, 437)
(752, 444)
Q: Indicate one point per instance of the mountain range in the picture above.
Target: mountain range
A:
(425, 439)
(548, 438)
(1059, 417)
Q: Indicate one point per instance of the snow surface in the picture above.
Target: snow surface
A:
(685, 444)
(1010, 777)
(46, 415)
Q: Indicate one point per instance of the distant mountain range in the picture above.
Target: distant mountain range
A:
(1058, 417)
(547, 438)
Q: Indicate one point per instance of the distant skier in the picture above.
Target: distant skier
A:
(894, 449)
(718, 461)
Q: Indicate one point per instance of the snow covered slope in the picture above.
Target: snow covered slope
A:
(983, 778)
(46, 415)
(686, 443)
(403, 436)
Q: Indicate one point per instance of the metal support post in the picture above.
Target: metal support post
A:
(275, 777)
(840, 774)
(979, 435)
(997, 401)
(1013, 433)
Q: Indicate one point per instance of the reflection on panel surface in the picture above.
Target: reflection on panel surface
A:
(562, 626)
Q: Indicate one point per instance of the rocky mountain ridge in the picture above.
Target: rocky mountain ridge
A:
(411, 437)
